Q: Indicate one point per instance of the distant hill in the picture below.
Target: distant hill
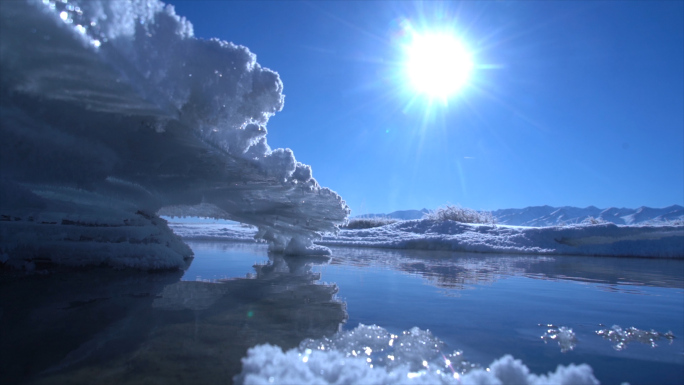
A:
(538, 216)
(550, 216)
(402, 214)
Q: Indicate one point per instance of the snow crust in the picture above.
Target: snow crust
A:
(600, 240)
(372, 355)
(113, 108)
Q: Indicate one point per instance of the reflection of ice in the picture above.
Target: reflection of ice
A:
(459, 271)
(621, 337)
(287, 273)
(372, 355)
(563, 335)
(139, 326)
(444, 269)
(52, 322)
(189, 295)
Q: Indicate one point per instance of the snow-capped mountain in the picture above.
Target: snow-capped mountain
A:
(550, 216)
(401, 214)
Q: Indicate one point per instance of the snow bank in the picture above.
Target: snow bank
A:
(234, 232)
(582, 239)
(599, 240)
(372, 355)
(118, 102)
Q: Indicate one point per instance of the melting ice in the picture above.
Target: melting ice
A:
(620, 337)
(563, 335)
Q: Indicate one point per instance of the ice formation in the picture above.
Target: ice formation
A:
(620, 337)
(113, 112)
(154, 328)
(372, 355)
(563, 335)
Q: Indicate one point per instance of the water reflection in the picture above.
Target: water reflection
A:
(461, 271)
(509, 295)
(125, 327)
(136, 327)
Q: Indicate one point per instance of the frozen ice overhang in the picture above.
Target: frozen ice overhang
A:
(113, 111)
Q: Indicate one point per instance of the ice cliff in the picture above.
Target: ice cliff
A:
(112, 113)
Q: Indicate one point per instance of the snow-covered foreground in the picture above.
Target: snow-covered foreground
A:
(372, 355)
(424, 234)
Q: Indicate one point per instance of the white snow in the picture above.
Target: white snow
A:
(654, 241)
(112, 113)
(372, 355)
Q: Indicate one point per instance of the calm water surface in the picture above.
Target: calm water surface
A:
(123, 327)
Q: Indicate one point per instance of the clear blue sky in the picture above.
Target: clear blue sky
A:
(570, 103)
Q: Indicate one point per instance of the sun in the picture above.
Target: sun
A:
(437, 64)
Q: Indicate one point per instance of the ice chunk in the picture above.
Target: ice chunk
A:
(620, 337)
(119, 102)
(372, 355)
(563, 335)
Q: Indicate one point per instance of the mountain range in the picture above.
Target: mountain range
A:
(538, 216)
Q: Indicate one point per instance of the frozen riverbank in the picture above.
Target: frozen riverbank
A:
(603, 239)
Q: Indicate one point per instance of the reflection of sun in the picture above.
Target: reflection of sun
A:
(437, 65)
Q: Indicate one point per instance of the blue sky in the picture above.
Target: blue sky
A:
(569, 103)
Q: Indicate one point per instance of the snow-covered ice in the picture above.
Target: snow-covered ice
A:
(112, 113)
(604, 239)
(372, 355)
(600, 240)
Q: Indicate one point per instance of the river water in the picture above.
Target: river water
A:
(127, 327)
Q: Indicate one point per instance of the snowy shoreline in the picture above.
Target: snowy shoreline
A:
(646, 241)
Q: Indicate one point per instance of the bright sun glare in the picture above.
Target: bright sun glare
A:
(438, 65)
